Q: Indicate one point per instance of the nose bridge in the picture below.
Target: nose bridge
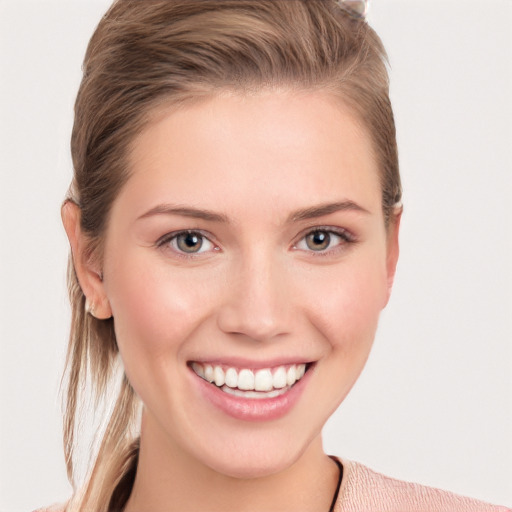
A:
(256, 302)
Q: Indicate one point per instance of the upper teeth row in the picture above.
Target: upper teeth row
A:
(264, 379)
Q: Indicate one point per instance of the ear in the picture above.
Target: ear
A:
(86, 267)
(393, 248)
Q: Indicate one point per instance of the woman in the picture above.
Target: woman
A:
(233, 221)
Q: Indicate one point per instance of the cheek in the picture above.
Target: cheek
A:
(346, 308)
(154, 310)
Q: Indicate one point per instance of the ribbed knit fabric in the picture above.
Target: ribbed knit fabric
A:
(364, 490)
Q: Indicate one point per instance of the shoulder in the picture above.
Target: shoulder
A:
(364, 489)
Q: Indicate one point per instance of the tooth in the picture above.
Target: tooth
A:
(246, 380)
(263, 380)
(208, 373)
(218, 375)
(279, 378)
(291, 375)
(231, 378)
(198, 368)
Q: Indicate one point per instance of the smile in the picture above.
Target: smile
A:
(246, 383)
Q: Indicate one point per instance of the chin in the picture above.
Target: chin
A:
(246, 466)
(255, 455)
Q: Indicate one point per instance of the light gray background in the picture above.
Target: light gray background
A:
(435, 402)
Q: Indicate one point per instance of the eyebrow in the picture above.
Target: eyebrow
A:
(299, 215)
(325, 209)
(185, 211)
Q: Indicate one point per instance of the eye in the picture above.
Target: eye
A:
(187, 242)
(323, 240)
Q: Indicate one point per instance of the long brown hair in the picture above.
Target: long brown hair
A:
(145, 54)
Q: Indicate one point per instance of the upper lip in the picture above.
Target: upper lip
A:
(236, 362)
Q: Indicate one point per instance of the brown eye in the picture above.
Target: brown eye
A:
(189, 242)
(318, 240)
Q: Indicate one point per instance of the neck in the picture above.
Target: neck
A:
(170, 480)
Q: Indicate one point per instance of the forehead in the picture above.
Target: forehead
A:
(279, 147)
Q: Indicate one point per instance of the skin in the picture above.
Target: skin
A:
(256, 291)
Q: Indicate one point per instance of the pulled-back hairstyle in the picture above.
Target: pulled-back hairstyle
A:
(146, 54)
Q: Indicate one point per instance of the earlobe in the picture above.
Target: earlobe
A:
(89, 276)
(393, 249)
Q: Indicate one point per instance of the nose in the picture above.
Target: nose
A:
(257, 300)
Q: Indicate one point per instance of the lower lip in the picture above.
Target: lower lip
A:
(252, 409)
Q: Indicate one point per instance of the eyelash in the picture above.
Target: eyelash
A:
(345, 238)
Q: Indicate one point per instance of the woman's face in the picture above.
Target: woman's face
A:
(247, 246)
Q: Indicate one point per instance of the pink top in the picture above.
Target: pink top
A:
(364, 490)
